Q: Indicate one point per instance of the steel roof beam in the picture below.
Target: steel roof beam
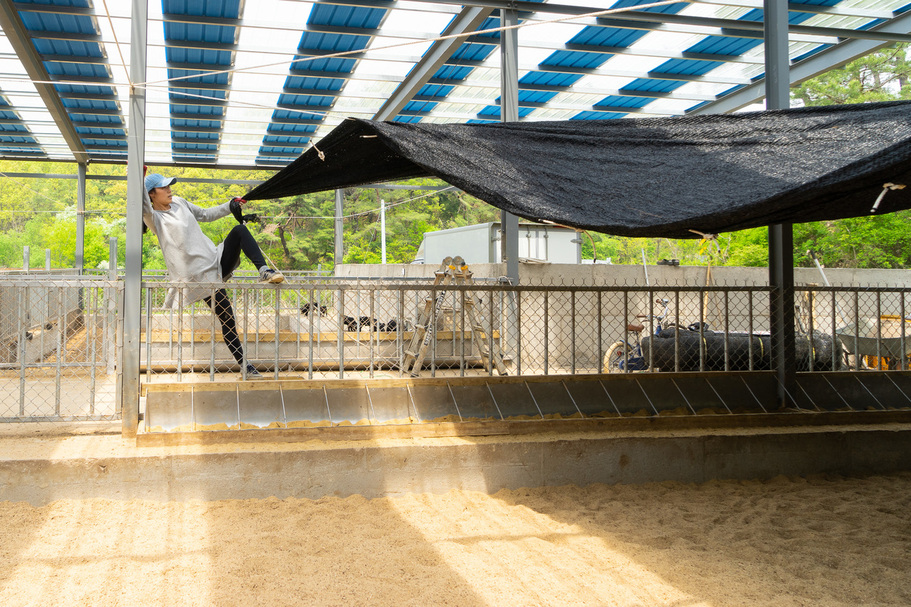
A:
(20, 39)
(469, 19)
(810, 67)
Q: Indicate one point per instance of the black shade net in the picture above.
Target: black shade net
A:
(670, 177)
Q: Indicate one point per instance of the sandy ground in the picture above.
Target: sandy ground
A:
(817, 541)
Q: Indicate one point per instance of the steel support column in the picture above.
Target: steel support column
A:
(132, 283)
(509, 112)
(79, 261)
(781, 236)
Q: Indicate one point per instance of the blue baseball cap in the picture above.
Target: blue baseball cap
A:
(158, 181)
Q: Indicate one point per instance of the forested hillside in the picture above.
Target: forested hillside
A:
(298, 233)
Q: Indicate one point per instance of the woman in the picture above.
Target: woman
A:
(191, 257)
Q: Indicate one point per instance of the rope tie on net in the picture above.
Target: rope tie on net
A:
(886, 188)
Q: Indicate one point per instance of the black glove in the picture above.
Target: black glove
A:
(240, 217)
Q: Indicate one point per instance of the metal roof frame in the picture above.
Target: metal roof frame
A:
(65, 94)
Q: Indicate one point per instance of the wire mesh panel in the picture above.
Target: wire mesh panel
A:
(60, 341)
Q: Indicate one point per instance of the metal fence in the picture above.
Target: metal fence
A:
(62, 336)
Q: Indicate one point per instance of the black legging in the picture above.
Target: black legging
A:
(239, 239)
(225, 313)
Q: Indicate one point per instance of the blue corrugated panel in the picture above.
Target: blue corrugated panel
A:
(535, 96)
(197, 77)
(618, 101)
(330, 65)
(312, 82)
(108, 143)
(494, 111)
(453, 72)
(473, 52)
(57, 22)
(670, 8)
(286, 141)
(228, 9)
(306, 129)
(479, 121)
(346, 16)
(408, 119)
(95, 71)
(489, 24)
(83, 89)
(95, 130)
(691, 67)
(290, 151)
(12, 128)
(550, 79)
(435, 90)
(195, 32)
(306, 100)
(332, 42)
(189, 95)
(197, 56)
(419, 106)
(202, 137)
(282, 114)
(719, 45)
(606, 36)
(16, 139)
(193, 147)
(105, 119)
(598, 116)
(179, 124)
(578, 59)
(68, 48)
(211, 111)
(653, 85)
(75, 105)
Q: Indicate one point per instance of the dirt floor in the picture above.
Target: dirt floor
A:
(789, 541)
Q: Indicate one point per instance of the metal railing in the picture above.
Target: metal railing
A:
(61, 337)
